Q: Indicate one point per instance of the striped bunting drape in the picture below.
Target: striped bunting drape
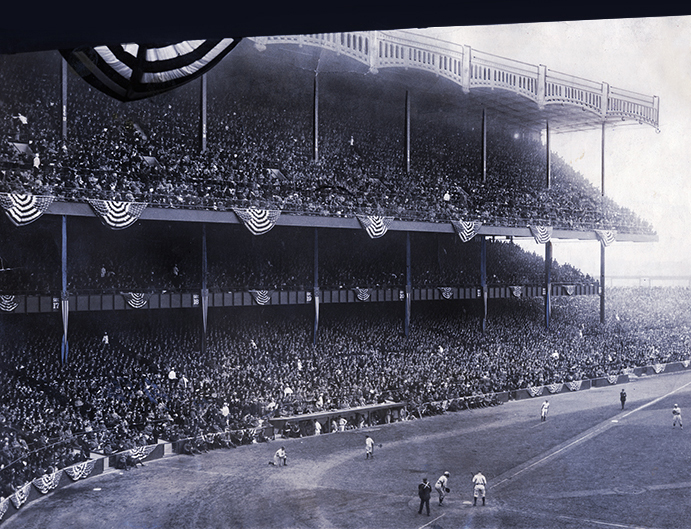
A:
(466, 230)
(21, 495)
(535, 392)
(375, 226)
(80, 470)
(569, 289)
(658, 368)
(446, 292)
(517, 291)
(262, 297)
(24, 209)
(606, 237)
(574, 385)
(555, 388)
(129, 72)
(136, 300)
(4, 504)
(612, 379)
(258, 221)
(7, 303)
(140, 452)
(117, 215)
(48, 482)
(362, 294)
(541, 234)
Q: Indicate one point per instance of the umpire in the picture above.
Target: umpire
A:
(424, 490)
(622, 398)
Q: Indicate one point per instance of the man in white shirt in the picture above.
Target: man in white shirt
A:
(442, 486)
(479, 482)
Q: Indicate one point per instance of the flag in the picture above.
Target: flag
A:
(262, 297)
(7, 303)
(258, 221)
(541, 234)
(24, 209)
(375, 226)
(117, 215)
(205, 306)
(129, 72)
(606, 237)
(466, 230)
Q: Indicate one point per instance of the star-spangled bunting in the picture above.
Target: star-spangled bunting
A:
(541, 234)
(517, 291)
(658, 368)
(140, 452)
(7, 303)
(466, 230)
(685, 363)
(24, 209)
(48, 482)
(262, 297)
(136, 300)
(21, 495)
(375, 226)
(362, 294)
(117, 215)
(4, 504)
(574, 385)
(569, 289)
(535, 392)
(555, 388)
(446, 292)
(80, 470)
(606, 237)
(258, 221)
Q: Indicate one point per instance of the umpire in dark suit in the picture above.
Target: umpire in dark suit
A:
(424, 490)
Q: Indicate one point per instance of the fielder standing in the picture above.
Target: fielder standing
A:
(369, 448)
(442, 486)
(544, 410)
(676, 416)
(479, 482)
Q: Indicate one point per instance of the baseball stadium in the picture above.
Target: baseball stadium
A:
(229, 265)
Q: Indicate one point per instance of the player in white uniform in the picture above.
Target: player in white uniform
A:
(369, 448)
(479, 482)
(676, 416)
(280, 457)
(442, 486)
(544, 410)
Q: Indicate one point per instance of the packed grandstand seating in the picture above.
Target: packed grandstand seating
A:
(150, 379)
(259, 152)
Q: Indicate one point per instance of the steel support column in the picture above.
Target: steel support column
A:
(407, 132)
(484, 145)
(316, 286)
(202, 115)
(408, 285)
(483, 279)
(602, 246)
(315, 119)
(548, 282)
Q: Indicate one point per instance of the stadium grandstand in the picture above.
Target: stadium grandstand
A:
(315, 226)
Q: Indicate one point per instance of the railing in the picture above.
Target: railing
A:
(470, 68)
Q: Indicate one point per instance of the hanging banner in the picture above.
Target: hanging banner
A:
(262, 297)
(446, 292)
(375, 226)
(48, 482)
(362, 294)
(258, 221)
(80, 470)
(535, 392)
(24, 209)
(569, 289)
(517, 291)
(574, 385)
(606, 237)
(541, 234)
(205, 306)
(136, 300)
(466, 230)
(117, 215)
(7, 303)
(21, 495)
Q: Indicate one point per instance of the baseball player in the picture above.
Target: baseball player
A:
(479, 482)
(676, 416)
(280, 457)
(544, 410)
(442, 486)
(369, 448)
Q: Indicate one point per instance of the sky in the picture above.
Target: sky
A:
(646, 170)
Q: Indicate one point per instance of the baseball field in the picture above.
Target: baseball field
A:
(590, 464)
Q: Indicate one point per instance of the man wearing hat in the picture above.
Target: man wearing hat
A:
(442, 486)
(676, 416)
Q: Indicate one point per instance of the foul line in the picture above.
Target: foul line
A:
(596, 430)
(432, 521)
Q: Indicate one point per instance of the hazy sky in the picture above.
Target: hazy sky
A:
(646, 171)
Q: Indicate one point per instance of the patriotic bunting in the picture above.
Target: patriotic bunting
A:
(574, 385)
(555, 388)
(4, 504)
(541, 234)
(362, 294)
(685, 363)
(21, 495)
(535, 392)
(117, 215)
(136, 300)
(24, 209)
(612, 379)
(375, 226)
(80, 471)
(48, 482)
(658, 368)
(7, 303)
(262, 297)
(466, 230)
(517, 291)
(140, 452)
(627, 371)
(258, 221)
(446, 292)
(569, 289)
(606, 237)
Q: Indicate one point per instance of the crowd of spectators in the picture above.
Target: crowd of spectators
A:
(260, 151)
(133, 378)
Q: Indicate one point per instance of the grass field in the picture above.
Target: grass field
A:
(589, 465)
